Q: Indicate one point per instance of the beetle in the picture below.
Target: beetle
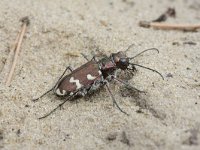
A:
(93, 75)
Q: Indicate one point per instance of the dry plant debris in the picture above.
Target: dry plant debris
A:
(168, 26)
(15, 50)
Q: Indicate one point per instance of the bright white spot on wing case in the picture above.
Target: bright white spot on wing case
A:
(59, 93)
(90, 77)
(78, 85)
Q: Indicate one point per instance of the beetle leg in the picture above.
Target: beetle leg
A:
(36, 99)
(67, 68)
(84, 56)
(113, 98)
(93, 58)
(59, 106)
(70, 68)
(128, 85)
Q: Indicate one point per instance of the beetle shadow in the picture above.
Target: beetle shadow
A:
(141, 100)
(126, 75)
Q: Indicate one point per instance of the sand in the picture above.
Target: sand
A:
(167, 116)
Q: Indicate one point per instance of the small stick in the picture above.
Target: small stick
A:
(25, 23)
(168, 26)
(8, 60)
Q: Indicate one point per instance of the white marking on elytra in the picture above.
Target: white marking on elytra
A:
(78, 85)
(99, 72)
(59, 93)
(71, 93)
(90, 77)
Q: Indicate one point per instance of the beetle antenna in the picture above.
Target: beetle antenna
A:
(148, 69)
(129, 47)
(150, 49)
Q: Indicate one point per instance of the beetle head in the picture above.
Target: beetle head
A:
(121, 60)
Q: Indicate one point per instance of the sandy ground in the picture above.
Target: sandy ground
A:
(166, 117)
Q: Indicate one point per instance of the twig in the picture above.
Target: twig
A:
(9, 58)
(25, 23)
(168, 26)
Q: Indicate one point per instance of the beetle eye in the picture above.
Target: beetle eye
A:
(123, 61)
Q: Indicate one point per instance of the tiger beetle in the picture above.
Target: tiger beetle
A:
(93, 75)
